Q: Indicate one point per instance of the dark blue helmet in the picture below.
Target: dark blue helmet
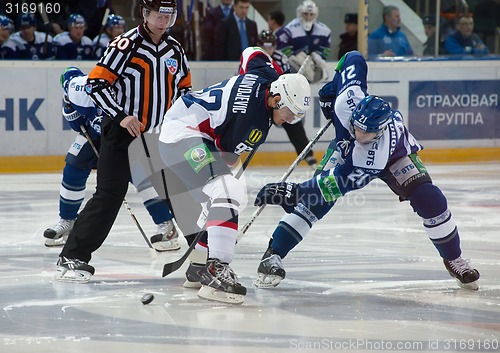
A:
(76, 20)
(6, 23)
(114, 20)
(25, 20)
(69, 74)
(372, 114)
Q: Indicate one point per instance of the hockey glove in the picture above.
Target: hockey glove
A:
(74, 118)
(326, 99)
(283, 194)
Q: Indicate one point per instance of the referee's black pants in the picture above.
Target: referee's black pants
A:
(113, 175)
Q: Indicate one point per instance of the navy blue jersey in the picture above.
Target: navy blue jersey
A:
(233, 113)
(348, 87)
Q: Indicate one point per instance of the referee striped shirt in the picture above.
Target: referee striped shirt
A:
(137, 77)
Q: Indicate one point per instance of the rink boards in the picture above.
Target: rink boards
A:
(451, 107)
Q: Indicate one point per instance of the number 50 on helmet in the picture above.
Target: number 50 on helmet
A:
(295, 94)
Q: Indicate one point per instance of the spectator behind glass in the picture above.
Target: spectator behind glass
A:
(210, 21)
(463, 40)
(388, 40)
(275, 20)
(235, 33)
(429, 23)
(28, 43)
(73, 44)
(349, 39)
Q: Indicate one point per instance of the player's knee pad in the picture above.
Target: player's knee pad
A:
(226, 187)
(75, 178)
(429, 203)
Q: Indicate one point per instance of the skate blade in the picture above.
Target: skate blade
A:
(267, 281)
(469, 286)
(189, 284)
(210, 293)
(169, 245)
(70, 276)
(55, 242)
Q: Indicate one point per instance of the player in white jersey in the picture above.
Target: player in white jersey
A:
(372, 142)
(206, 131)
(304, 36)
(80, 111)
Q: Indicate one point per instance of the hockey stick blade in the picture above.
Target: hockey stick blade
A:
(174, 266)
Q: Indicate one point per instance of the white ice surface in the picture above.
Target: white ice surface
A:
(366, 278)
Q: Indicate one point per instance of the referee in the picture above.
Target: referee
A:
(135, 82)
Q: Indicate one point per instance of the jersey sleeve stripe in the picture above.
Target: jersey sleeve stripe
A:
(146, 86)
(100, 72)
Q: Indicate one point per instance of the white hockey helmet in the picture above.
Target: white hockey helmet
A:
(307, 12)
(295, 93)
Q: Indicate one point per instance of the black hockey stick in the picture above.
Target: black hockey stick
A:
(174, 266)
(290, 169)
(125, 203)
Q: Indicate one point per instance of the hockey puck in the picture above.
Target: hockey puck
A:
(147, 298)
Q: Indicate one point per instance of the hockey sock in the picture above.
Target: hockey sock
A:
(429, 203)
(157, 208)
(222, 228)
(291, 229)
(72, 191)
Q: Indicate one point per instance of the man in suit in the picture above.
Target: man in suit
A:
(210, 21)
(235, 33)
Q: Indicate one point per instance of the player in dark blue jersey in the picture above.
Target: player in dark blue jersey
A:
(206, 131)
(371, 142)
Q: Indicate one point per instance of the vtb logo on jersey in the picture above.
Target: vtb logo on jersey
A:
(171, 65)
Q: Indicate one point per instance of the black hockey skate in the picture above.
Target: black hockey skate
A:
(219, 283)
(270, 271)
(193, 275)
(465, 275)
(73, 270)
